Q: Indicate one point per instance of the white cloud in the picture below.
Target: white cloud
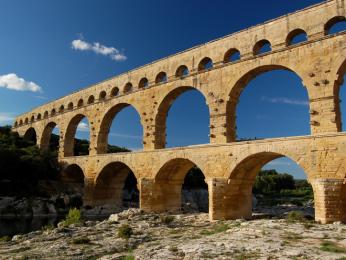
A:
(284, 100)
(98, 48)
(83, 127)
(126, 136)
(6, 118)
(12, 81)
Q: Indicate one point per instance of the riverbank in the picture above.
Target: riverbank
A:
(189, 236)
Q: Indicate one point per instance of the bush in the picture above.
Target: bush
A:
(73, 217)
(329, 246)
(294, 216)
(166, 219)
(125, 231)
(80, 240)
(5, 239)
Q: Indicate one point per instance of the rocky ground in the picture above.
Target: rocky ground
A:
(189, 236)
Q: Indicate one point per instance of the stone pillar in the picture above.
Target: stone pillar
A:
(88, 198)
(218, 120)
(329, 199)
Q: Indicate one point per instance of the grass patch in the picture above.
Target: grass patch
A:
(127, 257)
(73, 217)
(219, 228)
(81, 240)
(166, 219)
(328, 246)
(125, 231)
(5, 239)
(295, 216)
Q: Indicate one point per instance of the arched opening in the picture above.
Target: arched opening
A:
(143, 83)
(161, 78)
(182, 71)
(61, 109)
(267, 184)
(39, 117)
(15, 124)
(91, 99)
(50, 138)
(340, 98)
(30, 136)
(73, 178)
(205, 64)
(262, 47)
(116, 186)
(77, 137)
(115, 92)
(178, 123)
(70, 106)
(128, 87)
(32, 119)
(21, 122)
(268, 102)
(26, 120)
(180, 185)
(296, 36)
(121, 130)
(80, 103)
(53, 112)
(231, 55)
(102, 95)
(335, 25)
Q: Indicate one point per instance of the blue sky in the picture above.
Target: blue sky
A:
(36, 46)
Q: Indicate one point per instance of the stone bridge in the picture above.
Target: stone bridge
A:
(215, 70)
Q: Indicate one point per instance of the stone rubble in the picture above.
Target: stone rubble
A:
(187, 236)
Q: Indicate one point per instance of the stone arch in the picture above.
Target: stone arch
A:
(128, 87)
(143, 83)
(168, 184)
(333, 21)
(102, 140)
(91, 99)
(296, 33)
(70, 106)
(72, 173)
(26, 121)
(32, 119)
(162, 111)
(39, 116)
(61, 109)
(53, 112)
(161, 77)
(70, 133)
(80, 103)
(260, 45)
(102, 95)
(237, 89)
(110, 182)
(46, 135)
(45, 114)
(205, 64)
(30, 135)
(15, 124)
(237, 192)
(231, 55)
(341, 72)
(114, 92)
(21, 122)
(182, 71)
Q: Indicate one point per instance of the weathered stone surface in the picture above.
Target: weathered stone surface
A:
(230, 167)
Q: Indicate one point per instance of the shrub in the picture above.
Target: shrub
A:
(329, 246)
(128, 257)
(5, 239)
(80, 240)
(47, 227)
(216, 229)
(294, 216)
(125, 231)
(73, 217)
(166, 219)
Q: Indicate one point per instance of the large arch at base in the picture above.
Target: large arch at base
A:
(72, 177)
(341, 72)
(238, 197)
(169, 184)
(236, 91)
(162, 113)
(31, 136)
(106, 123)
(116, 186)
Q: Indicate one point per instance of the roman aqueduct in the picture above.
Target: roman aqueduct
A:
(229, 167)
